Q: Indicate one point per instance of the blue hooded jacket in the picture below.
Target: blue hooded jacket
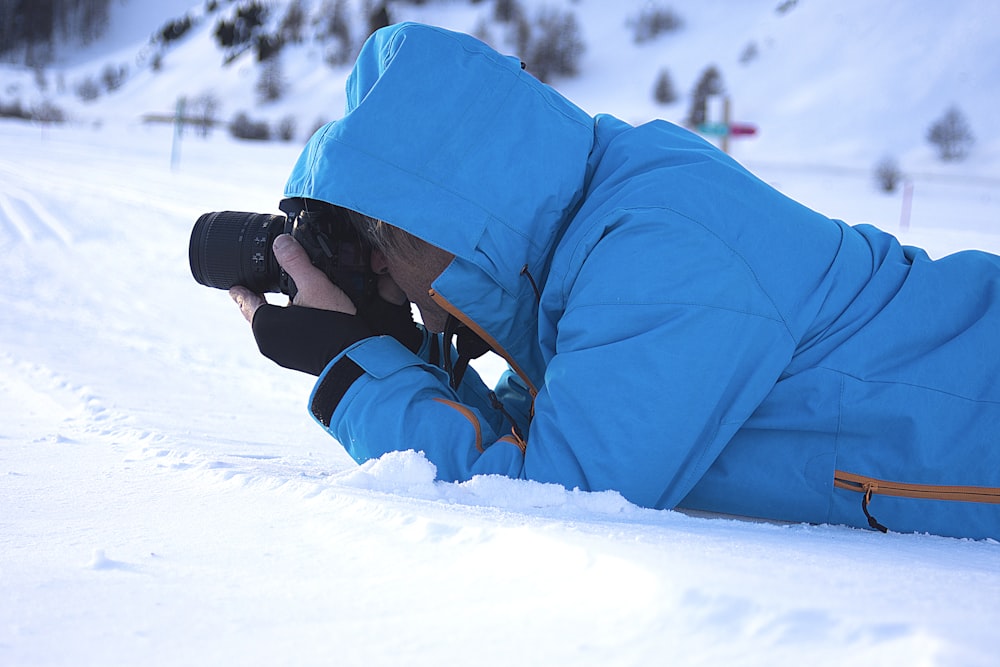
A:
(676, 329)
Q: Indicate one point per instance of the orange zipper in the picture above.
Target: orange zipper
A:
(515, 436)
(444, 303)
(869, 486)
(972, 494)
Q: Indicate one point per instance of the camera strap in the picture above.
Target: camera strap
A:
(469, 346)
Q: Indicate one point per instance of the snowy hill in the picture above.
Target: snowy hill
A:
(833, 87)
(845, 82)
(165, 498)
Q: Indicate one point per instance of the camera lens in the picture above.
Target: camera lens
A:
(234, 248)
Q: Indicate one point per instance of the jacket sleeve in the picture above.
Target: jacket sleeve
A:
(379, 397)
(659, 361)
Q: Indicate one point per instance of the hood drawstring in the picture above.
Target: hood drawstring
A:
(514, 428)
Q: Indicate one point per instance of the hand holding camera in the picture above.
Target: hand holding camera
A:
(317, 257)
(314, 288)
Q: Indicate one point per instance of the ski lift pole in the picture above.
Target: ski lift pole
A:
(726, 128)
(726, 119)
(904, 214)
(175, 147)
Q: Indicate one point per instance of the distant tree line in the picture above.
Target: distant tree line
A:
(550, 46)
(34, 26)
(952, 139)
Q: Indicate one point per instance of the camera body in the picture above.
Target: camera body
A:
(234, 248)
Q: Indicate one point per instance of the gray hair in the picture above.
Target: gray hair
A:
(383, 236)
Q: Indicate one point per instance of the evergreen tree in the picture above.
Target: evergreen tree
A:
(653, 21)
(271, 82)
(378, 17)
(709, 84)
(507, 11)
(92, 20)
(557, 48)
(664, 91)
(336, 28)
(293, 22)
(37, 25)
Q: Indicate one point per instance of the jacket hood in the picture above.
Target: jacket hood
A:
(454, 143)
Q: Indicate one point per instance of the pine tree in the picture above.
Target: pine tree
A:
(557, 48)
(664, 91)
(507, 11)
(37, 25)
(709, 84)
(271, 83)
(292, 22)
(336, 28)
(378, 17)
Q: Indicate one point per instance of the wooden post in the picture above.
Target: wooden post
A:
(726, 118)
(904, 214)
(175, 147)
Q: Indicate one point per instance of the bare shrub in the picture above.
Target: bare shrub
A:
(951, 135)
(887, 174)
(243, 127)
(47, 112)
(113, 76)
(286, 128)
(88, 90)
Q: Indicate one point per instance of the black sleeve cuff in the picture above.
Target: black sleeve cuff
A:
(394, 320)
(332, 388)
(305, 339)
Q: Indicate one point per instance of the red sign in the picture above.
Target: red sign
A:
(742, 129)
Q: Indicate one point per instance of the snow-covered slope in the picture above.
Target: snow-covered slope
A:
(847, 81)
(834, 87)
(165, 498)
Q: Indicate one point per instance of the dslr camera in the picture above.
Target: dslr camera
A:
(234, 248)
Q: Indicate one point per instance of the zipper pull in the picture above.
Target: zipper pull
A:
(514, 429)
(865, 499)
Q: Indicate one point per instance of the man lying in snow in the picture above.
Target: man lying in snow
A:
(676, 329)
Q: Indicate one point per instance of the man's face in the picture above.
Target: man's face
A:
(413, 270)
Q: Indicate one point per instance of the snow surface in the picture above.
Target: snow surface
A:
(165, 498)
